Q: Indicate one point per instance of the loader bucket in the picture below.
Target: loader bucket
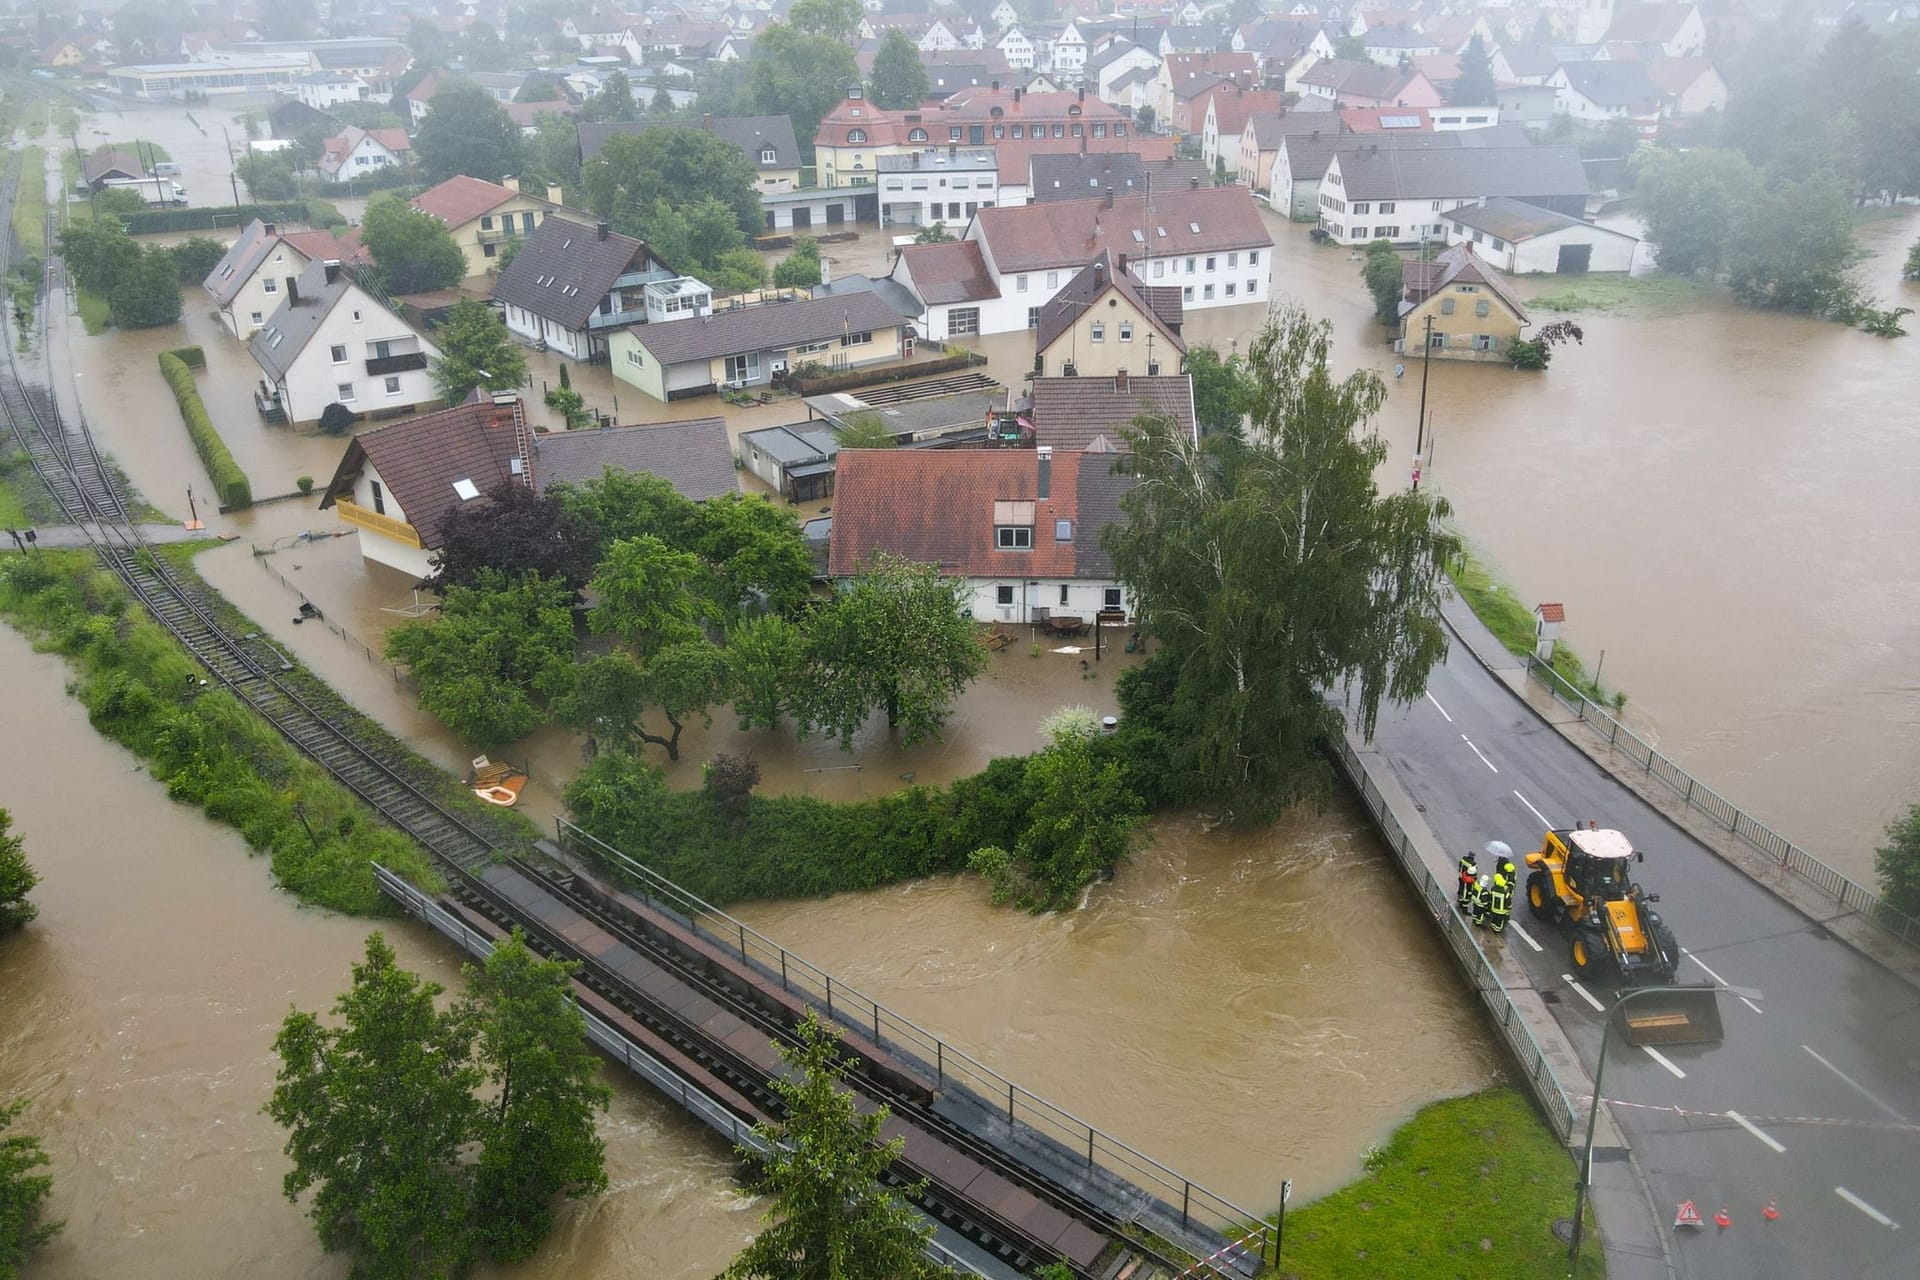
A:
(1673, 1015)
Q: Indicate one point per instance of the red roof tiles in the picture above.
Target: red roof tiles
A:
(937, 506)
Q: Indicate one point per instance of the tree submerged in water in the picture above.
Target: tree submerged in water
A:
(1537, 353)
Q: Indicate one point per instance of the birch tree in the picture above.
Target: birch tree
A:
(1276, 575)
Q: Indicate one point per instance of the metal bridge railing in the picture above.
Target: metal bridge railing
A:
(1196, 1205)
(1546, 1086)
(696, 1101)
(1849, 894)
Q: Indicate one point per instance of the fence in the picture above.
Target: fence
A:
(696, 1101)
(1198, 1208)
(1460, 938)
(312, 612)
(1849, 894)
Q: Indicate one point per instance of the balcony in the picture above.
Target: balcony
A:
(615, 319)
(361, 518)
(411, 360)
(634, 279)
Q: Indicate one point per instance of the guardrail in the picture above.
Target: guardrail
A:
(1198, 1207)
(1460, 938)
(1847, 893)
(697, 1102)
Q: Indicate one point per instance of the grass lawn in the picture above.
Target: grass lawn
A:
(1469, 1187)
(13, 513)
(1612, 292)
(30, 200)
(1511, 621)
(94, 311)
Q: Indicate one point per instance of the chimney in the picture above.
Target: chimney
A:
(996, 86)
(1083, 93)
(1120, 381)
(332, 267)
(602, 230)
(1044, 456)
(1120, 268)
(554, 194)
(268, 229)
(1016, 95)
(1107, 200)
(293, 292)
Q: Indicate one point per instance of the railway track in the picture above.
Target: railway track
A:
(1032, 1221)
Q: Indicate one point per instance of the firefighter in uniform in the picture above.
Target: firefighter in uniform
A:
(1469, 877)
(1499, 902)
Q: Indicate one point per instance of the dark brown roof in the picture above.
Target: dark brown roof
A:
(693, 456)
(1091, 284)
(1070, 413)
(951, 272)
(1098, 495)
(564, 268)
(771, 326)
(420, 459)
(752, 134)
(936, 506)
(108, 163)
(1421, 280)
(1063, 233)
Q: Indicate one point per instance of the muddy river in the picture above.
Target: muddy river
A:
(1714, 493)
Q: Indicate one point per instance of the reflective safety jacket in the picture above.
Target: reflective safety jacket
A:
(1500, 895)
(1469, 871)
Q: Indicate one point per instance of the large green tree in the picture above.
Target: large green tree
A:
(627, 504)
(1898, 862)
(1795, 251)
(466, 131)
(765, 657)
(552, 154)
(1220, 388)
(1474, 87)
(800, 269)
(17, 878)
(1273, 571)
(413, 249)
(612, 694)
(830, 1217)
(1693, 204)
(1083, 820)
(475, 351)
(537, 1136)
(377, 1109)
(896, 638)
(147, 294)
(756, 553)
(650, 594)
(514, 531)
(800, 73)
(632, 173)
(500, 651)
(23, 1193)
(1382, 271)
(703, 238)
(900, 80)
(98, 251)
(612, 101)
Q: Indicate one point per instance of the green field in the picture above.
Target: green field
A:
(1613, 292)
(1469, 1187)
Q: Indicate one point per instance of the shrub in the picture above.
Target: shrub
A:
(304, 484)
(229, 481)
(336, 419)
(192, 357)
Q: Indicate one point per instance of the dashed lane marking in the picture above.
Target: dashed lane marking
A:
(1437, 707)
(1857, 1087)
(1664, 1061)
(1524, 935)
(1703, 964)
(1477, 751)
(1756, 1131)
(1866, 1208)
(1535, 812)
(1834, 1122)
(1584, 993)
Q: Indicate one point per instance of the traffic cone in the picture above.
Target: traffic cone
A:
(1723, 1219)
(1772, 1211)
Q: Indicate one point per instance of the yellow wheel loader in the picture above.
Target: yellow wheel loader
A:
(1581, 881)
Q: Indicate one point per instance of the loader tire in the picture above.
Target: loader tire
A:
(1540, 899)
(1669, 949)
(1589, 952)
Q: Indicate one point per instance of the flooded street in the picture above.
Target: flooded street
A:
(1721, 498)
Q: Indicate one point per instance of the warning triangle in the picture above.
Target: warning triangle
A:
(1688, 1216)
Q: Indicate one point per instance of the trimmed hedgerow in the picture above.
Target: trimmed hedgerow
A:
(229, 481)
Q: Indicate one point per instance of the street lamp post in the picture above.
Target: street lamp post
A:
(1420, 428)
(1585, 1176)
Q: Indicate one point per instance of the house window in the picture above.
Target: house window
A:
(1386, 233)
(1483, 342)
(953, 133)
(1438, 341)
(257, 319)
(1250, 288)
(1110, 598)
(1119, 129)
(1498, 244)
(356, 317)
(1483, 308)
(1053, 280)
(343, 392)
(1446, 306)
(1231, 286)
(1386, 206)
(269, 285)
(1063, 532)
(1097, 332)
(856, 135)
(1191, 264)
(338, 354)
(1033, 318)
(963, 320)
(1003, 594)
(1126, 331)
(379, 499)
(1233, 260)
(1363, 206)
(1186, 294)
(393, 386)
(487, 250)
(859, 339)
(486, 222)
(768, 155)
(1019, 131)
(1159, 268)
(1212, 262)
(1063, 595)
(1059, 131)
(1013, 537)
(743, 368)
(634, 357)
(1019, 284)
(1206, 294)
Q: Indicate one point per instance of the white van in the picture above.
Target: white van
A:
(165, 169)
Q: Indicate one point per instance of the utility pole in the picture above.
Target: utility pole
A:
(1420, 428)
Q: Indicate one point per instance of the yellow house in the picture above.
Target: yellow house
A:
(1474, 315)
(63, 53)
(1105, 323)
(484, 216)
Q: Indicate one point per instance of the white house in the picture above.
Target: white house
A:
(1112, 63)
(1069, 53)
(324, 90)
(332, 342)
(938, 185)
(1401, 194)
(1016, 48)
(1600, 92)
(570, 286)
(396, 484)
(1004, 14)
(248, 283)
(1524, 239)
(356, 153)
(1688, 86)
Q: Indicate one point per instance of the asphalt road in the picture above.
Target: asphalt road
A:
(1812, 1100)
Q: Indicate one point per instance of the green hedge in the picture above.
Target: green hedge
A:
(229, 481)
(192, 357)
(875, 377)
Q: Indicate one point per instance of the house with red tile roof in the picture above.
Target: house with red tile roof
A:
(483, 216)
(358, 153)
(1104, 323)
(1018, 529)
(247, 284)
(1224, 118)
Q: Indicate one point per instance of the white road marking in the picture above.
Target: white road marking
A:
(1856, 1085)
(1477, 751)
(1703, 964)
(1865, 1208)
(1535, 812)
(1584, 994)
(1524, 935)
(1753, 1129)
(1437, 707)
(1664, 1061)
